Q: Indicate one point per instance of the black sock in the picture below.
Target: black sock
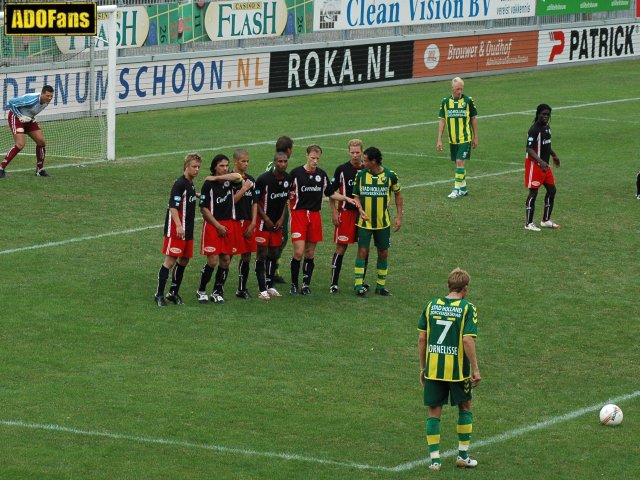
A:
(205, 276)
(261, 274)
(221, 277)
(163, 276)
(271, 271)
(307, 271)
(295, 271)
(243, 274)
(336, 266)
(530, 206)
(176, 278)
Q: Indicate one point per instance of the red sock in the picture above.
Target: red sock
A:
(40, 152)
(10, 155)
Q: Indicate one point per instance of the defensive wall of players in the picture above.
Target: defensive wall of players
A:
(197, 77)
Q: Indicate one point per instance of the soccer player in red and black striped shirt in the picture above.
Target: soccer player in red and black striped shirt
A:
(272, 191)
(178, 231)
(310, 184)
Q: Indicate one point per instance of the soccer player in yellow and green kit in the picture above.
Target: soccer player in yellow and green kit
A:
(372, 191)
(449, 369)
(458, 112)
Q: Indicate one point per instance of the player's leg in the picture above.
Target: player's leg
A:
(261, 273)
(549, 200)
(205, 277)
(307, 266)
(435, 395)
(461, 395)
(243, 275)
(336, 266)
(530, 208)
(460, 182)
(364, 240)
(638, 186)
(38, 137)
(163, 277)
(176, 280)
(19, 141)
(382, 241)
(217, 296)
(277, 277)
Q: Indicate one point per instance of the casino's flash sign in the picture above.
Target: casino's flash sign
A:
(35, 18)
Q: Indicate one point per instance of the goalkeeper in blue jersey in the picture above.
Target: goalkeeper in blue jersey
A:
(22, 121)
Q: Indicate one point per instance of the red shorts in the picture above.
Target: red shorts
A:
(212, 243)
(306, 225)
(346, 232)
(176, 247)
(243, 243)
(534, 177)
(269, 238)
(16, 126)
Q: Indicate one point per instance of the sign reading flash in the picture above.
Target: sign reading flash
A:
(50, 18)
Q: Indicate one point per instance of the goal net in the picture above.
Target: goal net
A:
(79, 123)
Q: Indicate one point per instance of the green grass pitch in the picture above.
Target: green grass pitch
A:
(99, 383)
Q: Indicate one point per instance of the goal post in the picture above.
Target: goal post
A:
(80, 123)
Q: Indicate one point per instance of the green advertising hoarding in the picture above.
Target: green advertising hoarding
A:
(561, 7)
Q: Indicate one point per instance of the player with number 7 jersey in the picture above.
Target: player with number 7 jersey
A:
(446, 321)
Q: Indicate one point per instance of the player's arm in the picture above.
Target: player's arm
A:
(342, 198)
(280, 221)
(175, 217)
(441, 124)
(474, 128)
(397, 223)
(469, 343)
(246, 185)
(232, 177)
(209, 218)
(254, 216)
(422, 353)
(534, 155)
(556, 159)
(358, 204)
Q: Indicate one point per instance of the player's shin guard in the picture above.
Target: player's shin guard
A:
(359, 273)
(433, 438)
(205, 276)
(176, 278)
(163, 276)
(10, 156)
(307, 271)
(464, 428)
(295, 271)
(336, 266)
(261, 274)
(40, 154)
(382, 268)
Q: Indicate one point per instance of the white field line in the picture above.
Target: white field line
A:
(350, 133)
(149, 227)
(503, 437)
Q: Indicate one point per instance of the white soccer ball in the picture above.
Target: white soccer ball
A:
(611, 415)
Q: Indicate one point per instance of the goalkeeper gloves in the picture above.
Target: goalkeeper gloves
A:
(25, 119)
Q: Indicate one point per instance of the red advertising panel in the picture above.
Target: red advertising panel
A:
(475, 53)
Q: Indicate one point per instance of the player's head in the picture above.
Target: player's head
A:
(457, 87)
(284, 144)
(373, 155)
(46, 94)
(280, 162)
(314, 152)
(543, 113)
(355, 152)
(220, 164)
(192, 162)
(240, 160)
(458, 280)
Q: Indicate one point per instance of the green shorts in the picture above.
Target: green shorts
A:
(381, 238)
(437, 392)
(460, 151)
